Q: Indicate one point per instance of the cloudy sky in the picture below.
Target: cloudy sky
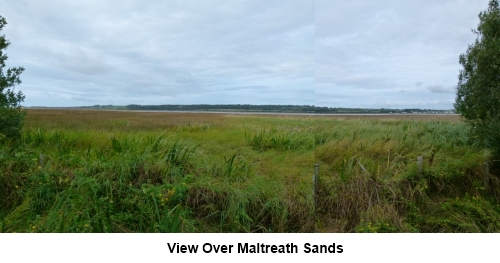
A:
(358, 53)
(162, 52)
(391, 53)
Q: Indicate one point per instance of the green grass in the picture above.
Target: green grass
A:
(371, 182)
(143, 172)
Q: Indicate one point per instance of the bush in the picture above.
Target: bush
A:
(478, 91)
(11, 115)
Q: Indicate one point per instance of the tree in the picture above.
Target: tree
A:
(11, 115)
(478, 90)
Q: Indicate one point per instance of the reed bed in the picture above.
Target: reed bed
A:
(117, 171)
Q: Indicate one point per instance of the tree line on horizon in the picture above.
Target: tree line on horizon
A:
(265, 108)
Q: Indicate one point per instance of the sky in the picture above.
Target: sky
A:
(391, 53)
(358, 53)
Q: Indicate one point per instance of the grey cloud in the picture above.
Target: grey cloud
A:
(363, 81)
(331, 53)
(86, 99)
(84, 62)
(257, 87)
(441, 89)
(391, 45)
(159, 50)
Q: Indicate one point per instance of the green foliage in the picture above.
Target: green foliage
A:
(478, 93)
(278, 140)
(153, 177)
(233, 168)
(469, 214)
(11, 115)
(377, 227)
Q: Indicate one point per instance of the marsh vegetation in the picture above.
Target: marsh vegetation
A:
(117, 171)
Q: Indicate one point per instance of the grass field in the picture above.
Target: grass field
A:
(118, 171)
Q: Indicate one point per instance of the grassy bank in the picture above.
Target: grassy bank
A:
(106, 171)
(372, 182)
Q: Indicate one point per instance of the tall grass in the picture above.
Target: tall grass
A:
(282, 141)
(134, 172)
(371, 182)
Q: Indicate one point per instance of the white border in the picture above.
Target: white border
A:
(153, 247)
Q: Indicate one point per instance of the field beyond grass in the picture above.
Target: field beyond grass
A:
(118, 171)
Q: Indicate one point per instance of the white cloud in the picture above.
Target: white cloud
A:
(355, 53)
(159, 51)
(371, 50)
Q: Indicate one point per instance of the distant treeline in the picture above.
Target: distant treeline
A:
(265, 108)
(226, 107)
(378, 111)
